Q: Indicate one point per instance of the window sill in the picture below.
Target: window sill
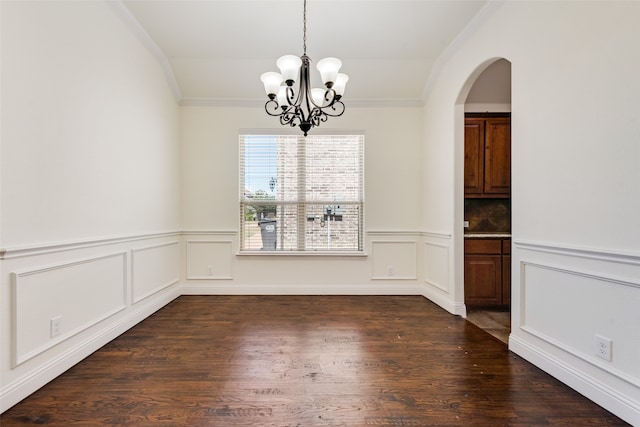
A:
(261, 253)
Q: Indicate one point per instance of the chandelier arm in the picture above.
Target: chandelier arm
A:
(318, 117)
(334, 110)
(272, 105)
(291, 95)
(288, 116)
(330, 98)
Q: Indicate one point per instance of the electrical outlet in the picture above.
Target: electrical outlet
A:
(603, 348)
(210, 270)
(466, 224)
(56, 326)
(390, 270)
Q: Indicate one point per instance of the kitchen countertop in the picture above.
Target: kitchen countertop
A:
(487, 235)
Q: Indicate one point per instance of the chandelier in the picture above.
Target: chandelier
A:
(302, 106)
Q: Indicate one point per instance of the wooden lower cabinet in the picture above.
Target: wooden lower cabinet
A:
(483, 280)
(487, 273)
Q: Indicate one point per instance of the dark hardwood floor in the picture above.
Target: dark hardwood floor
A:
(306, 361)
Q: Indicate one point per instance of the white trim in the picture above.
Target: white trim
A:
(624, 257)
(592, 360)
(436, 234)
(309, 253)
(621, 405)
(149, 44)
(289, 131)
(393, 233)
(582, 273)
(298, 289)
(47, 248)
(485, 108)
(259, 103)
(53, 247)
(210, 232)
(437, 297)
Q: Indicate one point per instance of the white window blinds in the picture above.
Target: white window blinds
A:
(301, 194)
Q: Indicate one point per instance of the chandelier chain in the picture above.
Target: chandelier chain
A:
(304, 28)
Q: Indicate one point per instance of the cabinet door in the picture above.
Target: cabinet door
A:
(483, 280)
(497, 156)
(506, 279)
(473, 156)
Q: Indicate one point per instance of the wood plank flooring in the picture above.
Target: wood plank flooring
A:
(306, 361)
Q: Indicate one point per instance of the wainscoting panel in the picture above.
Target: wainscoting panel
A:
(209, 260)
(600, 304)
(394, 260)
(565, 296)
(78, 293)
(154, 268)
(436, 265)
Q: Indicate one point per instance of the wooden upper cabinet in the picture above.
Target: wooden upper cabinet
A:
(497, 156)
(474, 156)
(487, 157)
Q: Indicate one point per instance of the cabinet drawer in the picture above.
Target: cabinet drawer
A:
(483, 246)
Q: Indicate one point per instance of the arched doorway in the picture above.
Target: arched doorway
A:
(485, 206)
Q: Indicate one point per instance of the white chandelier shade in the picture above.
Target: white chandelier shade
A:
(329, 68)
(289, 67)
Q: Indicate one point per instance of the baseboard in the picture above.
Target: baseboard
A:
(615, 402)
(437, 297)
(14, 392)
(396, 288)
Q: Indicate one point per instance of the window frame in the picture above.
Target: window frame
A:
(302, 204)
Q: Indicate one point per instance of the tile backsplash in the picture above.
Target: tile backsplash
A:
(488, 215)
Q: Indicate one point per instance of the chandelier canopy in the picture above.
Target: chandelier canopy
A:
(290, 95)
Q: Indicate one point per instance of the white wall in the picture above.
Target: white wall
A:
(89, 195)
(575, 156)
(211, 202)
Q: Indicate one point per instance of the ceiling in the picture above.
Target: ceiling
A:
(217, 49)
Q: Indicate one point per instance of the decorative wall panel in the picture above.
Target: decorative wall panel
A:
(154, 268)
(600, 304)
(209, 260)
(394, 260)
(77, 293)
(436, 265)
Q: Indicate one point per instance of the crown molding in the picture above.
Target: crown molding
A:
(136, 28)
(253, 103)
(479, 18)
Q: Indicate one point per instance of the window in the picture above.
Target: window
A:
(301, 194)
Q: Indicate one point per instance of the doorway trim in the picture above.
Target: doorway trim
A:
(458, 154)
